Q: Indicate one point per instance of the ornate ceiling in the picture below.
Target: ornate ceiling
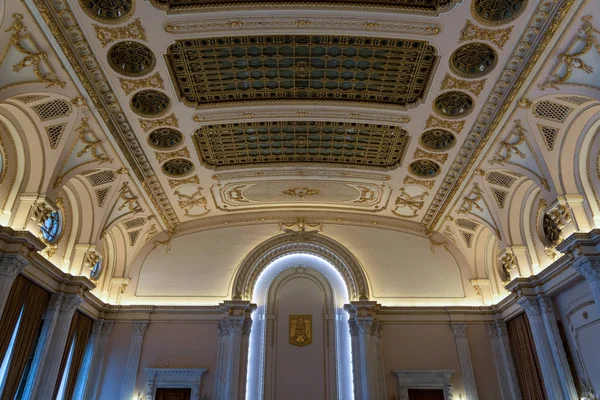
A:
(364, 106)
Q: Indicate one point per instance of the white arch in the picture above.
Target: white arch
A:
(270, 280)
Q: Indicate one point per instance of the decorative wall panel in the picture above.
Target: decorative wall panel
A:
(394, 72)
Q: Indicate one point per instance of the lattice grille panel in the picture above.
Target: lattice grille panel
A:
(52, 109)
(467, 224)
(133, 236)
(301, 141)
(134, 223)
(309, 67)
(102, 177)
(55, 133)
(500, 179)
(101, 195)
(551, 111)
(578, 100)
(549, 134)
(30, 98)
(468, 238)
(500, 196)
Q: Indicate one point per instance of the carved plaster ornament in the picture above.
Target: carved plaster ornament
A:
(413, 203)
(507, 263)
(300, 229)
(435, 243)
(499, 37)
(471, 200)
(510, 146)
(167, 242)
(129, 199)
(187, 202)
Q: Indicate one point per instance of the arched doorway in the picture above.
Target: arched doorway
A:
(300, 344)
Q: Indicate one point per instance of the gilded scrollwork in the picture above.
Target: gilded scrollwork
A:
(300, 192)
(92, 146)
(164, 156)
(33, 58)
(131, 85)
(130, 201)
(413, 203)
(173, 183)
(569, 61)
(499, 37)
(439, 157)
(149, 124)
(409, 180)
(134, 30)
(471, 200)
(190, 201)
(474, 87)
(455, 126)
(511, 145)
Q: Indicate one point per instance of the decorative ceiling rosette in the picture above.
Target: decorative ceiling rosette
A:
(473, 60)
(150, 103)
(131, 58)
(453, 104)
(108, 11)
(165, 138)
(438, 139)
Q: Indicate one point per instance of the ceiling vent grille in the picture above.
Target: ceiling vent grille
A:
(134, 223)
(549, 134)
(30, 98)
(55, 133)
(578, 100)
(101, 195)
(551, 111)
(468, 237)
(500, 196)
(467, 224)
(102, 177)
(52, 109)
(500, 179)
(133, 236)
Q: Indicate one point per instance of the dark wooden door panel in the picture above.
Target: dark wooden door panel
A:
(173, 394)
(425, 394)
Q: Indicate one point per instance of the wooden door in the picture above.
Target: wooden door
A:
(425, 394)
(173, 394)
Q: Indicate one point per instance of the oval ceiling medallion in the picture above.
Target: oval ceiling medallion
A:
(131, 58)
(424, 168)
(110, 12)
(453, 104)
(497, 12)
(438, 139)
(150, 103)
(178, 167)
(552, 231)
(473, 60)
(165, 138)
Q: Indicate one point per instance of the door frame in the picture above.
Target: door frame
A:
(184, 378)
(424, 379)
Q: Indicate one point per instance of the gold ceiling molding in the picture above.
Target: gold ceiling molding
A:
(422, 7)
(581, 44)
(131, 85)
(268, 23)
(435, 122)
(134, 30)
(499, 37)
(300, 192)
(304, 171)
(173, 183)
(409, 180)
(36, 59)
(149, 124)
(59, 17)
(439, 157)
(188, 201)
(164, 156)
(413, 203)
(214, 116)
(474, 87)
(523, 59)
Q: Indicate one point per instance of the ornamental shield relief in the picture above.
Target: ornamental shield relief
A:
(300, 330)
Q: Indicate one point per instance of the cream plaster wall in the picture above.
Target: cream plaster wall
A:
(418, 346)
(180, 345)
(115, 360)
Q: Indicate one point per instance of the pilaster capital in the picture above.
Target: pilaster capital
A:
(362, 309)
(107, 328)
(139, 328)
(237, 308)
(12, 265)
(70, 302)
(530, 305)
(589, 268)
(492, 330)
(546, 305)
(459, 329)
(234, 325)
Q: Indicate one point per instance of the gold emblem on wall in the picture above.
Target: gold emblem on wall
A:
(300, 330)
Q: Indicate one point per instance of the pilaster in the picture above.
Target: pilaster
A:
(133, 359)
(56, 342)
(232, 353)
(366, 331)
(589, 268)
(505, 366)
(11, 265)
(542, 346)
(464, 358)
(98, 340)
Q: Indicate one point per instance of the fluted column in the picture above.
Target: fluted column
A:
(542, 346)
(590, 269)
(232, 352)
(98, 340)
(464, 358)
(557, 349)
(55, 343)
(133, 359)
(11, 265)
(366, 331)
(505, 366)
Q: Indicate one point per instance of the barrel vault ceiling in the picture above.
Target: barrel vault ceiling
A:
(373, 107)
